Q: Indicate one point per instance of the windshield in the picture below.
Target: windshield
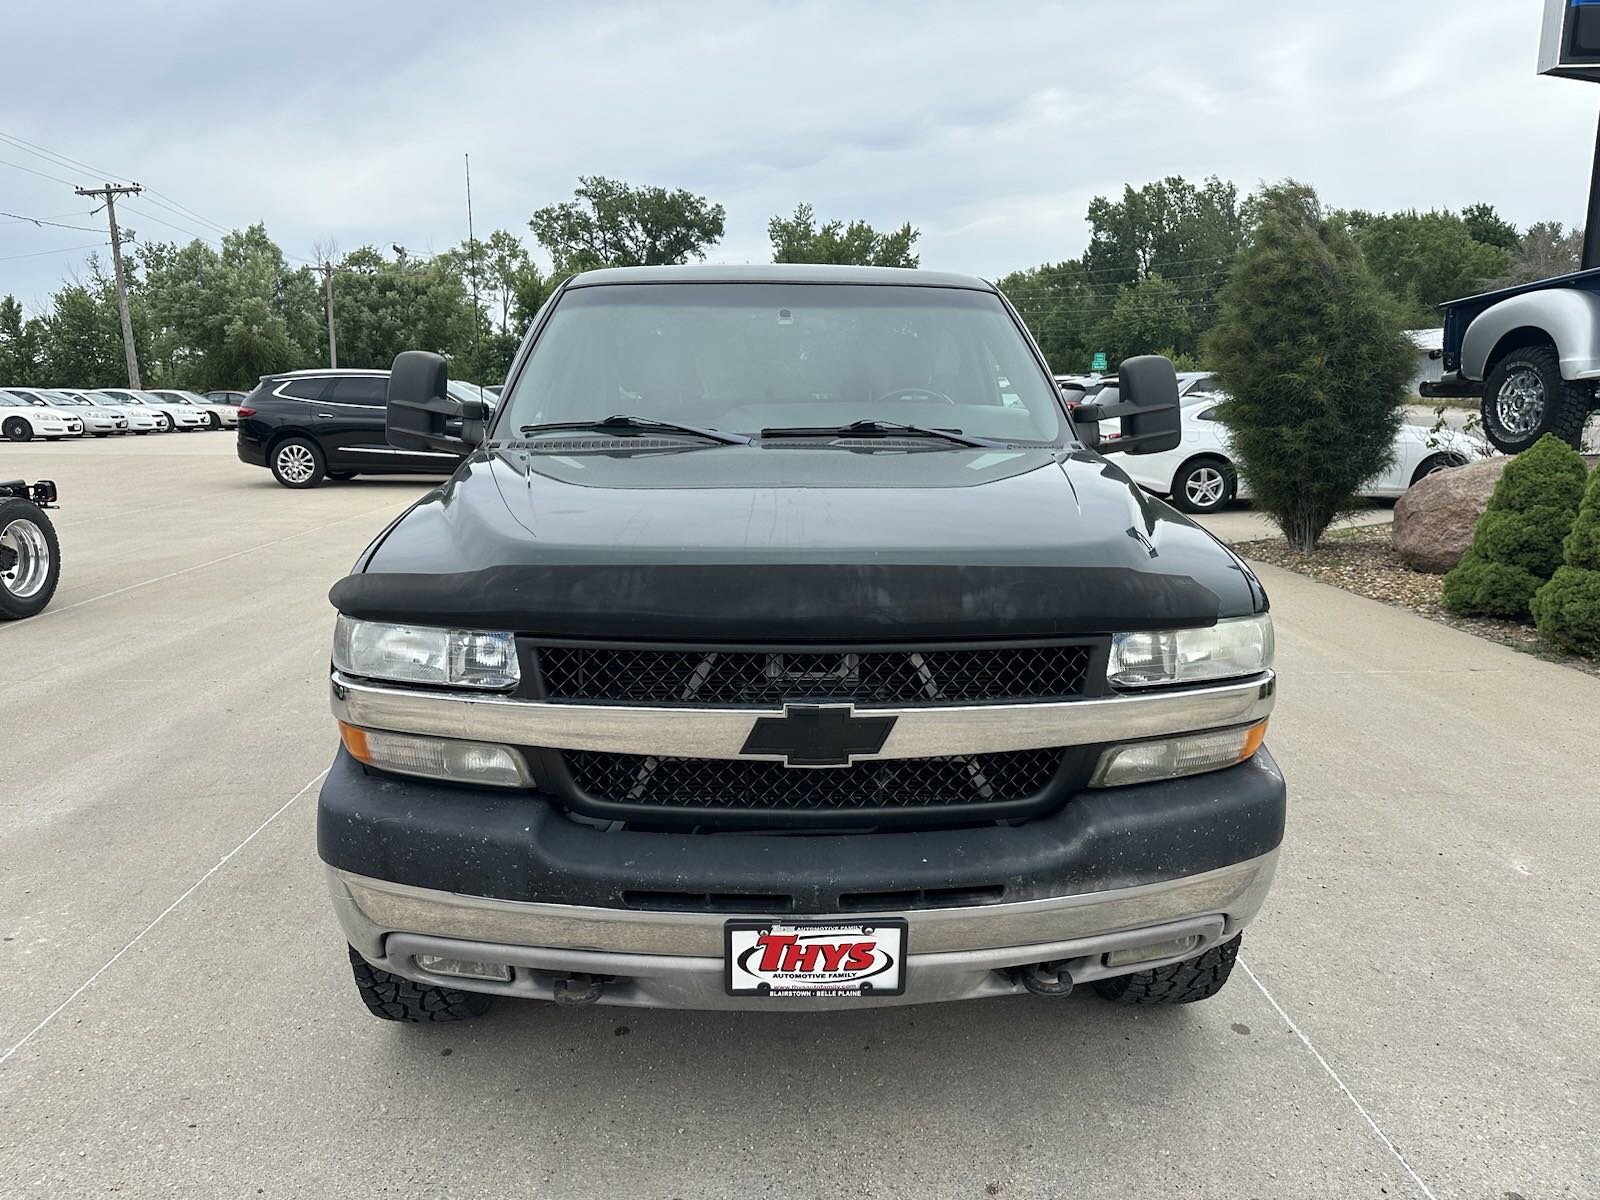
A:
(462, 390)
(745, 357)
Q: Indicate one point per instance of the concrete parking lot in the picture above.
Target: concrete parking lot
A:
(1417, 1016)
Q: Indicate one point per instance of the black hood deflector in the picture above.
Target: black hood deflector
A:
(783, 603)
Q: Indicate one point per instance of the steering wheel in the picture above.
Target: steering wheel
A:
(917, 393)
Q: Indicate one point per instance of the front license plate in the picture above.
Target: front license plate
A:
(815, 958)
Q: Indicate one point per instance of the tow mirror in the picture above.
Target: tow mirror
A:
(422, 414)
(1145, 400)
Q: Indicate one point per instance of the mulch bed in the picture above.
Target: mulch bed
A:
(1362, 560)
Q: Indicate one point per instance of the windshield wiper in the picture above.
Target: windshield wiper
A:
(870, 428)
(623, 423)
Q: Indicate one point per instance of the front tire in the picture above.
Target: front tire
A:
(17, 430)
(1204, 486)
(298, 463)
(167, 423)
(30, 559)
(1185, 982)
(1524, 398)
(392, 997)
(213, 421)
(1435, 463)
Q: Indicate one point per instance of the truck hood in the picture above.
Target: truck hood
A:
(796, 544)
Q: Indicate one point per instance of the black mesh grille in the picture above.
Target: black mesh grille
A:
(899, 677)
(743, 785)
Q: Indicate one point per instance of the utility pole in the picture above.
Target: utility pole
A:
(327, 305)
(109, 194)
(472, 249)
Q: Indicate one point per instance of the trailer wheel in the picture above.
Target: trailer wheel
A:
(1524, 398)
(30, 559)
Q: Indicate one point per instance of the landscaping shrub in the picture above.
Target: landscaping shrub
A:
(1567, 609)
(1518, 543)
(1310, 350)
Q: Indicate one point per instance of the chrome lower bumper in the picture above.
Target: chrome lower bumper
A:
(674, 960)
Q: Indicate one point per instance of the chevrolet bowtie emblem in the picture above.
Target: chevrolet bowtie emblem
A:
(818, 735)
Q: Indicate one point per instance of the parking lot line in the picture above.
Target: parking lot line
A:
(161, 916)
(1333, 1075)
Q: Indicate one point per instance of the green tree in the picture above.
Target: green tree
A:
(798, 239)
(1171, 228)
(1518, 542)
(1424, 259)
(613, 224)
(1489, 227)
(1545, 250)
(1061, 308)
(1312, 354)
(1567, 609)
(80, 342)
(19, 346)
(1148, 317)
(383, 307)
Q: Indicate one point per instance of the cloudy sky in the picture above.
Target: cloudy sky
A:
(989, 125)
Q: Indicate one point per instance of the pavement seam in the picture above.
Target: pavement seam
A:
(166, 912)
(1333, 1075)
(51, 612)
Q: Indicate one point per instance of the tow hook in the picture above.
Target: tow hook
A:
(582, 989)
(1046, 979)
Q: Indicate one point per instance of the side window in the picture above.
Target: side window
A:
(1209, 414)
(305, 389)
(369, 390)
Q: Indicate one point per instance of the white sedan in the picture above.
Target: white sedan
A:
(1199, 476)
(97, 421)
(22, 420)
(217, 415)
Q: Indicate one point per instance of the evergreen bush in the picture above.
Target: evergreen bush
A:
(1567, 609)
(1518, 543)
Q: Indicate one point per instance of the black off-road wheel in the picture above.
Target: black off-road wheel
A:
(392, 998)
(30, 559)
(1524, 398)
(1197, 978)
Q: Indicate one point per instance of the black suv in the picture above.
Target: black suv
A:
(307, 426)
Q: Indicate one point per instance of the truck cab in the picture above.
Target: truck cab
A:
(782, 642)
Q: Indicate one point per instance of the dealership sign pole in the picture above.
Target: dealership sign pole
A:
(1570, 47)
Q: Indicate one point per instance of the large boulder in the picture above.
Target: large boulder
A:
(1435, 520)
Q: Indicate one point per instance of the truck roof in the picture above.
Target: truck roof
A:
(780, 273)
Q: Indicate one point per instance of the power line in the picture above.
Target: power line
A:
(62, 250)
(158, 198)
(41, 221)
(31, 171)
(48, 154)
(149, 216)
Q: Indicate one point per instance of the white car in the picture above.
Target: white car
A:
(172, 416)
(217, 415)
(141, 420)
(23, 420)
(1199, 477)
(98, 421)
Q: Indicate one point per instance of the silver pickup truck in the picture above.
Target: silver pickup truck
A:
(1532, 353)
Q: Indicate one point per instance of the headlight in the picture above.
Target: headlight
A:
(437, 758)
(413, 654)
(1169, 758)
(1242, 646)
